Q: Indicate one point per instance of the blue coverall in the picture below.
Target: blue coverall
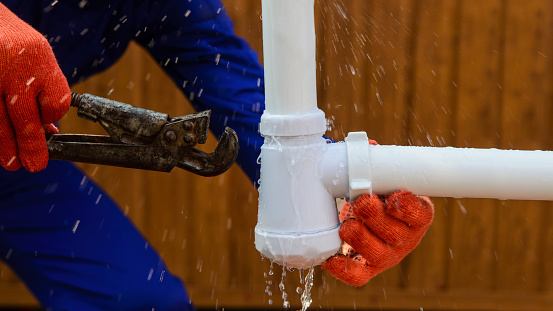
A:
(66, 239)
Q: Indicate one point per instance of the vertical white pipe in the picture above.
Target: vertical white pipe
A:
(297, 220)
(289, 56)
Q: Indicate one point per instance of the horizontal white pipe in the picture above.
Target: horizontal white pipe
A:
(463, 172)
(289, 56)
(448, 172)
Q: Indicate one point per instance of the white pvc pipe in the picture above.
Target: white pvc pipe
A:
(289, 56)
(463, 172)
(444, 172)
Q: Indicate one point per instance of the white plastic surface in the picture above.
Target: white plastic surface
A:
(289, 56)
(298, 250)
(445, 172)
(463, 172)
(359, 170)
(297, 220)
(293, 124)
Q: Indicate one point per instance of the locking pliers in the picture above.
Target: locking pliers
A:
(143, 139)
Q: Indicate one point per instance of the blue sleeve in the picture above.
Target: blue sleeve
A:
(195, 44)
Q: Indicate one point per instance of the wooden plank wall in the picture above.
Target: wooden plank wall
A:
(470, 73)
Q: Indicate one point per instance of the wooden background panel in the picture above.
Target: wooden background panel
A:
(472, 73)
(428, 122)
(526, 124)
(476, 122)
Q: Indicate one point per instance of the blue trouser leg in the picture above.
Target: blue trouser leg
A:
(75, 250)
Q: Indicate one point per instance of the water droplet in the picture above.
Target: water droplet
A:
(75, 226)
(98, 199)
(306, 295)
(14, 99)
(9, 254)
(11, 160)
(150, 274)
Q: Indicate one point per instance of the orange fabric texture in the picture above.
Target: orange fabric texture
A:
(378, 233)
(33, 94)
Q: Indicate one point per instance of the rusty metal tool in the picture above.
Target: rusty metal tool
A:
(143, 139)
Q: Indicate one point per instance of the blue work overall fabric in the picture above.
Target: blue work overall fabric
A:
(60, 233)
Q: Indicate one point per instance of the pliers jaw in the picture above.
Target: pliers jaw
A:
(143, 139)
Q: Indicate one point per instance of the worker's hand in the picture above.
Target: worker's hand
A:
(33, 94)
(378, 234)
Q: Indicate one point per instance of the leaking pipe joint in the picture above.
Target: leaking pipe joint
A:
(297, 218)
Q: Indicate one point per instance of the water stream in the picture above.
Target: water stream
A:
(304, 293)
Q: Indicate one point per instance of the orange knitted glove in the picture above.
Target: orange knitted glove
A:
(33, 94)
(378, 234)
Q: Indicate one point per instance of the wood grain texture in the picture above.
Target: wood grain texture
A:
(465, 73)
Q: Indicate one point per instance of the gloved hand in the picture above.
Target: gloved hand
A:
(378, 234)
(33, 94)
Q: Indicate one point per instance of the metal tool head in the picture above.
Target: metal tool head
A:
(144, 139)
(215, 163)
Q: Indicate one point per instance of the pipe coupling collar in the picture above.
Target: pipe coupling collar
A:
(293, 124)
(359, 168)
